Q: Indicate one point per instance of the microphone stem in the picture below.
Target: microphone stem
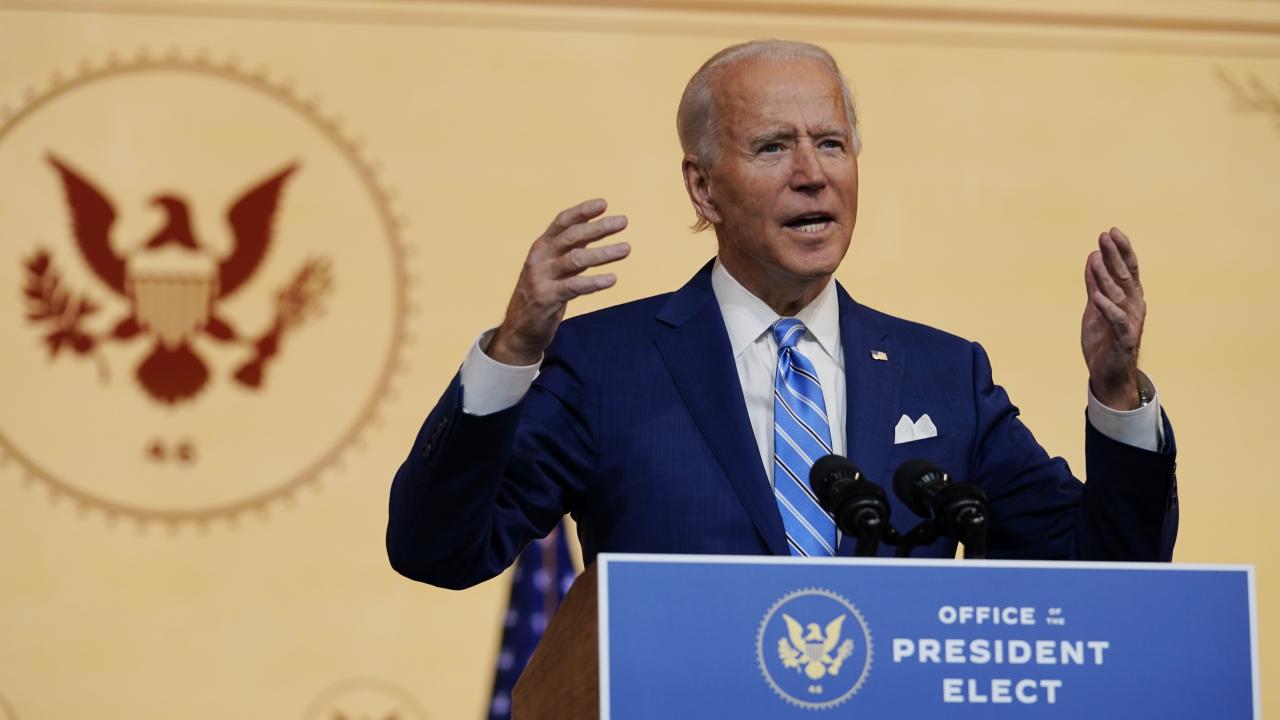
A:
(973, 533)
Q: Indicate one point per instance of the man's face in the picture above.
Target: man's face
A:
(785, 186)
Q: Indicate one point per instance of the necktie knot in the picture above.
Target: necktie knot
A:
(788, 331)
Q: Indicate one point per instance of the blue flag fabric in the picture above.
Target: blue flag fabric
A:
(543, 575)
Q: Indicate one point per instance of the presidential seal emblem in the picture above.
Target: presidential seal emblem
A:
(206, 283)
(364, 698)
(814, 648)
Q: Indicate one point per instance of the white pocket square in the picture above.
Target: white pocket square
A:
(906, 431)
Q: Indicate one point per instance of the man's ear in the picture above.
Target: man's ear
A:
(697, 181)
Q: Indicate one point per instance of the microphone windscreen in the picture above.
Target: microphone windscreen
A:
(825, 471)
(909, 485)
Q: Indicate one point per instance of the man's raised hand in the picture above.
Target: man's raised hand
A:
(552, 276)
(1111, 330)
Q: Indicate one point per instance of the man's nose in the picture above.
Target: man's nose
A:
(807, 173)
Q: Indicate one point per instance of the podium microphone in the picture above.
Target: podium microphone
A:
(859, 506)
(958, 510)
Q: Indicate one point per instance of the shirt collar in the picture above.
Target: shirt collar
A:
(747, 317)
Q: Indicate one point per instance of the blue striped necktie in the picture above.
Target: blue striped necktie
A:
(801, 435)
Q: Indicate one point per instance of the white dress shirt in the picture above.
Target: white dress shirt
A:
(755, 352)
(490, 386)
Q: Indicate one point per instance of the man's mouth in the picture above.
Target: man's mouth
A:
(810, 223)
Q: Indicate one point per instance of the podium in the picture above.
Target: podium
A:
(684, 636)
(562, 679)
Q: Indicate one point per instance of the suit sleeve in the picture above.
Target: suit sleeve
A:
(1127, 510)
(475, 490)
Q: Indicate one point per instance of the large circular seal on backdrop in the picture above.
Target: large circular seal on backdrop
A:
(365, 699)
(204, 289)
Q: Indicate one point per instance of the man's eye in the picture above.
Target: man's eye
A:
(771, 148)
(835, 144)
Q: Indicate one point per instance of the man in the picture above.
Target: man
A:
(687, 422)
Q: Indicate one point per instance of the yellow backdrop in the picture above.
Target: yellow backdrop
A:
(203, 538)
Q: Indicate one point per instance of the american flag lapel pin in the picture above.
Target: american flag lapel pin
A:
(880, 355)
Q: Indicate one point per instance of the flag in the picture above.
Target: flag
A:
(543, 575)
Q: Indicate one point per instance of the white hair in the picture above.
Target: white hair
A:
(696, 117)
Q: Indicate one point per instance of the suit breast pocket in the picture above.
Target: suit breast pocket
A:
(938, 450)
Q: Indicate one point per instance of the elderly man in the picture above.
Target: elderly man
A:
(687, 422)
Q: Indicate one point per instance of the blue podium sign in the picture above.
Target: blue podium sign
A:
(685, 636)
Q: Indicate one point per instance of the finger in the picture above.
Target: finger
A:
(1115, 263)
(586, 284)
(1104, 281)
(1090, 285)
(579, 259)
(581, 212)
(1114, 314)
(588, 232)
(1127, 253)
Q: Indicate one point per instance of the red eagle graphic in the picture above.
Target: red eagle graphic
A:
(174, 284)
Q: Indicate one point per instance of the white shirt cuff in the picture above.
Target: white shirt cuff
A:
(1140, 428)
(489, 386)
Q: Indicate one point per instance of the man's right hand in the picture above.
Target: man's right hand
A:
(552, 276)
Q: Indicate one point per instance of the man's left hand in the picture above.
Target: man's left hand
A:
(1111, 330)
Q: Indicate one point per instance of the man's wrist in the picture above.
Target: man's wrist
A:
(1126, 396)
(501, 351)
(1140, 427)
(489, 386)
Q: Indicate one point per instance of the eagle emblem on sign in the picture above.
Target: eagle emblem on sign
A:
(173, 285)
(813, 650)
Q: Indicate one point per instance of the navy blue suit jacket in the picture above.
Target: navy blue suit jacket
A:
(637, 426)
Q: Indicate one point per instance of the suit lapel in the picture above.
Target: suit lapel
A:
(872, 388)
(699, 359)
